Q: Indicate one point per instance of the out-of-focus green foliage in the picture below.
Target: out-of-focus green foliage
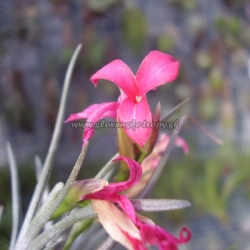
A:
(4, 243)
(246, 35)
(208, 107)
(95, 52)
(203, 59)
(208, 183)
(227, 117)
(186, 5)
(183, 92)
(18, 113)
(66, 55)
(216, 79)
(5, 225)
(230, 30)
(229, 25)
(101, 5)
(165, 43)
(134, 27)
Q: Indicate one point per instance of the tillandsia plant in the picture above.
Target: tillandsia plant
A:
(64, 217)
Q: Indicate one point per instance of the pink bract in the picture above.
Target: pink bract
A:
(149, 233)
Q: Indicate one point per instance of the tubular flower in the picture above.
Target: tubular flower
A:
(155, 156)
(156, 69)
(151, 161)
(117, 224)
(123, 224)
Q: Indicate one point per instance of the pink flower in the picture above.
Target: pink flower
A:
(125, 226)
(117, 224)
(160, 148)
(156, 69)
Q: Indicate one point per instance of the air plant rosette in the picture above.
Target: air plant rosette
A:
(58, 218)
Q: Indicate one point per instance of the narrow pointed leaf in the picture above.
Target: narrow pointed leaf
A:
(47, 211)
(52, 149)
(39, 167)
(153, 205)
(207, 133)
(75, 231)
(53, 244)
(15, 191)
(59, 227)
(45, 195)
(108, 244)
(167, 116)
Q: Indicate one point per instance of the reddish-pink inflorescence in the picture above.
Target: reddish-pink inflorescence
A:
(142, 232)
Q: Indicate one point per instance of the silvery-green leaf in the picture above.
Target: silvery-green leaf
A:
(156, 205)
(173, 111)
(51, 153)
(108, 244)
(15, 191)
(49, 208)
(39, 167)
(82, 214)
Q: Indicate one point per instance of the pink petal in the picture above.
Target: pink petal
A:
(126, 206)
(180, 142)
(156, 69)
(86, 113)
(103, 111)
(116, 223)
(120, 226)
(136, 115)
(111, 191)
(134, 177)
(155, 235)
(114, 188)
(120, 74)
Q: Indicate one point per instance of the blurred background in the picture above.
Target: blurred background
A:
(211, 39)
